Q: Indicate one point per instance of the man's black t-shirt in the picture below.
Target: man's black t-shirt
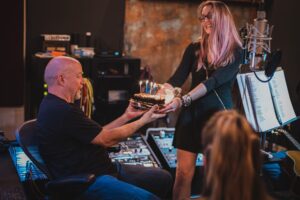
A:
(65, 136)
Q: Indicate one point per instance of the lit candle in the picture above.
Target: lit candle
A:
(140, 83)
(151, 87)
(146, 90)
(154, 88)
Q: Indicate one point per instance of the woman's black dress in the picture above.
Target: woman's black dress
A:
(192, 119)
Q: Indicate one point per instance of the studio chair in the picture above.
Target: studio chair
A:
(70, 187)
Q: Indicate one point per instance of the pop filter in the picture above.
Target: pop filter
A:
(270, 65)
(273, 63)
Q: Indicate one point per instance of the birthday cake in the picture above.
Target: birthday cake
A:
(146, 101)
(149, 95)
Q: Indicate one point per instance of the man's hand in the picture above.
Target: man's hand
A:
(152, 115)
(132, 112)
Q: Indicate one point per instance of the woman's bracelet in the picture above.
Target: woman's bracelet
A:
(186, 100)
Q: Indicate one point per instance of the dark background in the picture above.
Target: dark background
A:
(103, 18)
(11, 56)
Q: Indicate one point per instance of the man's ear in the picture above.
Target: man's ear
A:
(60, 79)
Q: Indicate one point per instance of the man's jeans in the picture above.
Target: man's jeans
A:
(132, 182)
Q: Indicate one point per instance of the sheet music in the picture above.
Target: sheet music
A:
(241, 79)
(281, 98)
(262, 102)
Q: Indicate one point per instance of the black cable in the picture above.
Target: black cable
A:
(271, 65)
(264, 81)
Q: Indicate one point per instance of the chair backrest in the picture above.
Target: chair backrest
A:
(27, 138)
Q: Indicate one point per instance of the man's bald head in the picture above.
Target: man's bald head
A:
(57, 66)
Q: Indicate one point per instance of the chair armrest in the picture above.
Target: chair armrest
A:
(70, 185)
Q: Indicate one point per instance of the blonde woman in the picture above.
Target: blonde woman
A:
(232, 159)
(213, 62)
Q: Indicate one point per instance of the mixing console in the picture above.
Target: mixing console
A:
(25, 168)
(161, 140)
(135, 151)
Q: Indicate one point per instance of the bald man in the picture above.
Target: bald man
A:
(71, 143)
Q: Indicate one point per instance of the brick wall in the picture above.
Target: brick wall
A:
(158, 31)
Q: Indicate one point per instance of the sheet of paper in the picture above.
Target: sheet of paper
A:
(262, 102)
(281, 98)
(248, 109)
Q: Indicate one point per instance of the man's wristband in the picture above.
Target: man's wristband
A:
(186, 100)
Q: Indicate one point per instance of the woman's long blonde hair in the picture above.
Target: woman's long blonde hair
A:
(220, 44)
(234, 159)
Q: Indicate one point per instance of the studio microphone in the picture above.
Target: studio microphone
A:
(259, 40)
